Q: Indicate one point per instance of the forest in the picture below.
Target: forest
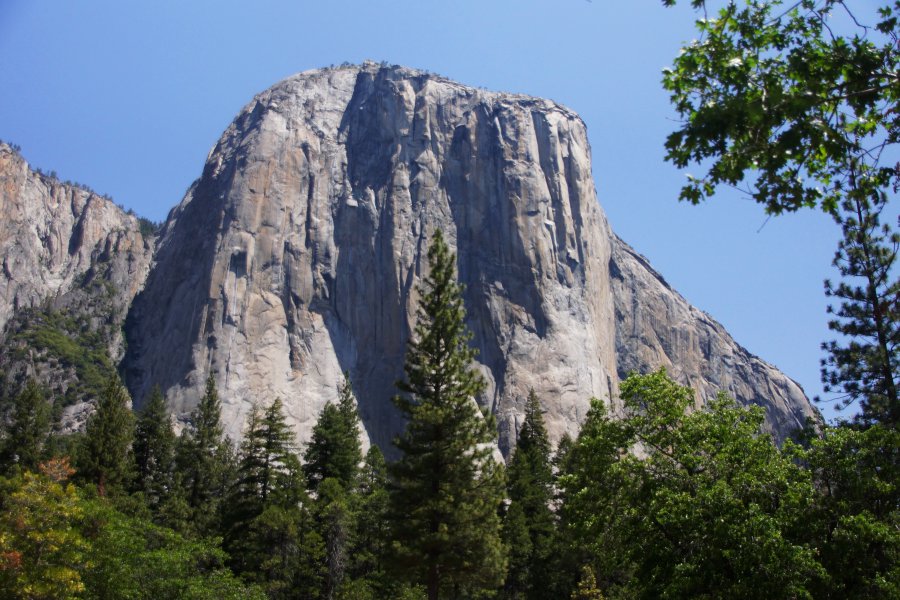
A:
(665, 501)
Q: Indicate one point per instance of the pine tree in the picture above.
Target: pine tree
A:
(23, 445)
(334, 450)
(370, 540)
(334, 516)
(864, 367)
(268, 469)
(446, 489)
(154, 451)
(205, 462)
(105, 456)
(267, 492)
(529, 524)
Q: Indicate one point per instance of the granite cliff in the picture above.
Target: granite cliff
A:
(297, 253)
(72, 262)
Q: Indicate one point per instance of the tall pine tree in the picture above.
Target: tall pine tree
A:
(265, 517)
(205, 462)
(23, 445)
(105, 457)
(371, 536)
(446, 489)
(334, 450)
(863, 366)
(154, 451)
(529, 526)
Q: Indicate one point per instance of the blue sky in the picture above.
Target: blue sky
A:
(128, 98)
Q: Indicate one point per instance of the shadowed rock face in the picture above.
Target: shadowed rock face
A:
(297, 256)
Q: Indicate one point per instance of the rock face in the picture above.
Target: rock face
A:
(54, 235)
(72, 262)
(297, 255)
(656, 327)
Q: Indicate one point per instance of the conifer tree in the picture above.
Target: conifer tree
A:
(446, 489)
(333, 514)
(105, 456)
(371, 535)
(205, 462)
(268, 469)
(334, 450)
(863, 366)
(154, 451)
(529, 524)
(23, 445)
(266, 505)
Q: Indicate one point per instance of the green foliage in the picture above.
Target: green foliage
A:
(774, 92)
(147, 227)
(336, 521)
(864, 363)
(771, 90)
(42, 551)
(71, 340)
(105, 457)
(23, 444)
(856, 521)
(204, 463)
(587, 586)
(447, 488)
(154, 451)
(334, 450)
(268, 489)
(529, 524)
(671, 504)
(370, 538)
(281, 551)
(133, 558)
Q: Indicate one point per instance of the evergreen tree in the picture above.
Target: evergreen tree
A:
(335, 449)
(864, 367)
(205, 462)
(105, 456)
(268, 477)
(529, 524)
(154, 451)
(334, 516)
(23, 445)
(446, 489)
(371, 535)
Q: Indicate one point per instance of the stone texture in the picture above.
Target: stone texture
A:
(55, 237)
(656, 327)
(69, 253)
(298, 252)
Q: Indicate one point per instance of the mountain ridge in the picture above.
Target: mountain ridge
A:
(295, 256)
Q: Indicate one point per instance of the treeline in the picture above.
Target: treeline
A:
(664, 502)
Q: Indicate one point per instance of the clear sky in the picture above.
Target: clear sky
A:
(128, 98)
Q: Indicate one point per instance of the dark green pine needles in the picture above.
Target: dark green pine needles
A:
(447, 488)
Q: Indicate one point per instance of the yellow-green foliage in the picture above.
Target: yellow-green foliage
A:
(42, 551)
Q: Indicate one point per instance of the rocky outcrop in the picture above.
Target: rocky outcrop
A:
(656, 327)
(55, 235)
(72, 262)
(297, 255)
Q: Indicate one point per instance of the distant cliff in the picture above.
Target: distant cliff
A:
(297, 254)
(72, 262)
